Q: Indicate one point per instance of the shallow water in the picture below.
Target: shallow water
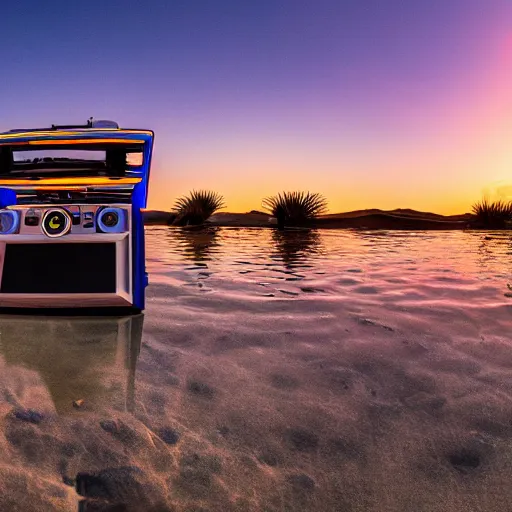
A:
(391, 265)
(295, 371)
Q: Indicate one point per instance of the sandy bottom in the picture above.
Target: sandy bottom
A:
(299, 373)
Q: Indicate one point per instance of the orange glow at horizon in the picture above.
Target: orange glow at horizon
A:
(448, 184)
(91, 180)
(447, 155)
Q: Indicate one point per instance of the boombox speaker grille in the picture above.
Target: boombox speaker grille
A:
(59, 268)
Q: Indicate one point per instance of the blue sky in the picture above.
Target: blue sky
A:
(370, 102)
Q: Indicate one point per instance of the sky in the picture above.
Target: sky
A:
(372, 103)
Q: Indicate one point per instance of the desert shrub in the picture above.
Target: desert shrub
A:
(295, 207)
(197, 207)
(493, 215)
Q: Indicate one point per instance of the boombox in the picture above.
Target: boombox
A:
(71, 230)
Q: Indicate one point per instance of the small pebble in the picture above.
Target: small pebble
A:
(109, 426)
(169, 435)
(28, 415)
(77, 404)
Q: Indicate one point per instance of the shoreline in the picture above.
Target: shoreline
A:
(364, 219)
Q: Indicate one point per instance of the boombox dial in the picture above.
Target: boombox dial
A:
(56, 222)
(111, 220)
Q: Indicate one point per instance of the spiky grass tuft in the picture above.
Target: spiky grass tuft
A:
(493, 215)
(296, 207)
(197, 207)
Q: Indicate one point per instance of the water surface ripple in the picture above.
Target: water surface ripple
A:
(342, 371)
(384, 267)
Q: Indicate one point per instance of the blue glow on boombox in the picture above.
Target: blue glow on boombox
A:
(71, 230)
(9, 222)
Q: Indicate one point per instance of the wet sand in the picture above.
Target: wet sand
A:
(311, 371)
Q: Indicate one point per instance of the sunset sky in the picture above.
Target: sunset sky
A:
(373, 103)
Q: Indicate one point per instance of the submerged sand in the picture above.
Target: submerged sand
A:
(273, 372)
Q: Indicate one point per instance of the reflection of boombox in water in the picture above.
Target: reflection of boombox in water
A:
(71, 231)
(73, 357)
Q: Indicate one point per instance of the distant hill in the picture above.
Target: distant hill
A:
(400, 218)
(157, 217)
(403, 212)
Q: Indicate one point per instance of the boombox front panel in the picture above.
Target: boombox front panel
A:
(82, 267)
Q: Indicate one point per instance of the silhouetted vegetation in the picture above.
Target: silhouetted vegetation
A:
(493, 215)
(197, 207)
(295, 208)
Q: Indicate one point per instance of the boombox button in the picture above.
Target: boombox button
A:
(89, 225)
(32, 221)
(76, 219)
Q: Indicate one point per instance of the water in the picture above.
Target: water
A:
(311, 371)
(398, 267)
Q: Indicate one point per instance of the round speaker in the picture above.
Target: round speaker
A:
(9, 222)
(56, 223)
(111, 220)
